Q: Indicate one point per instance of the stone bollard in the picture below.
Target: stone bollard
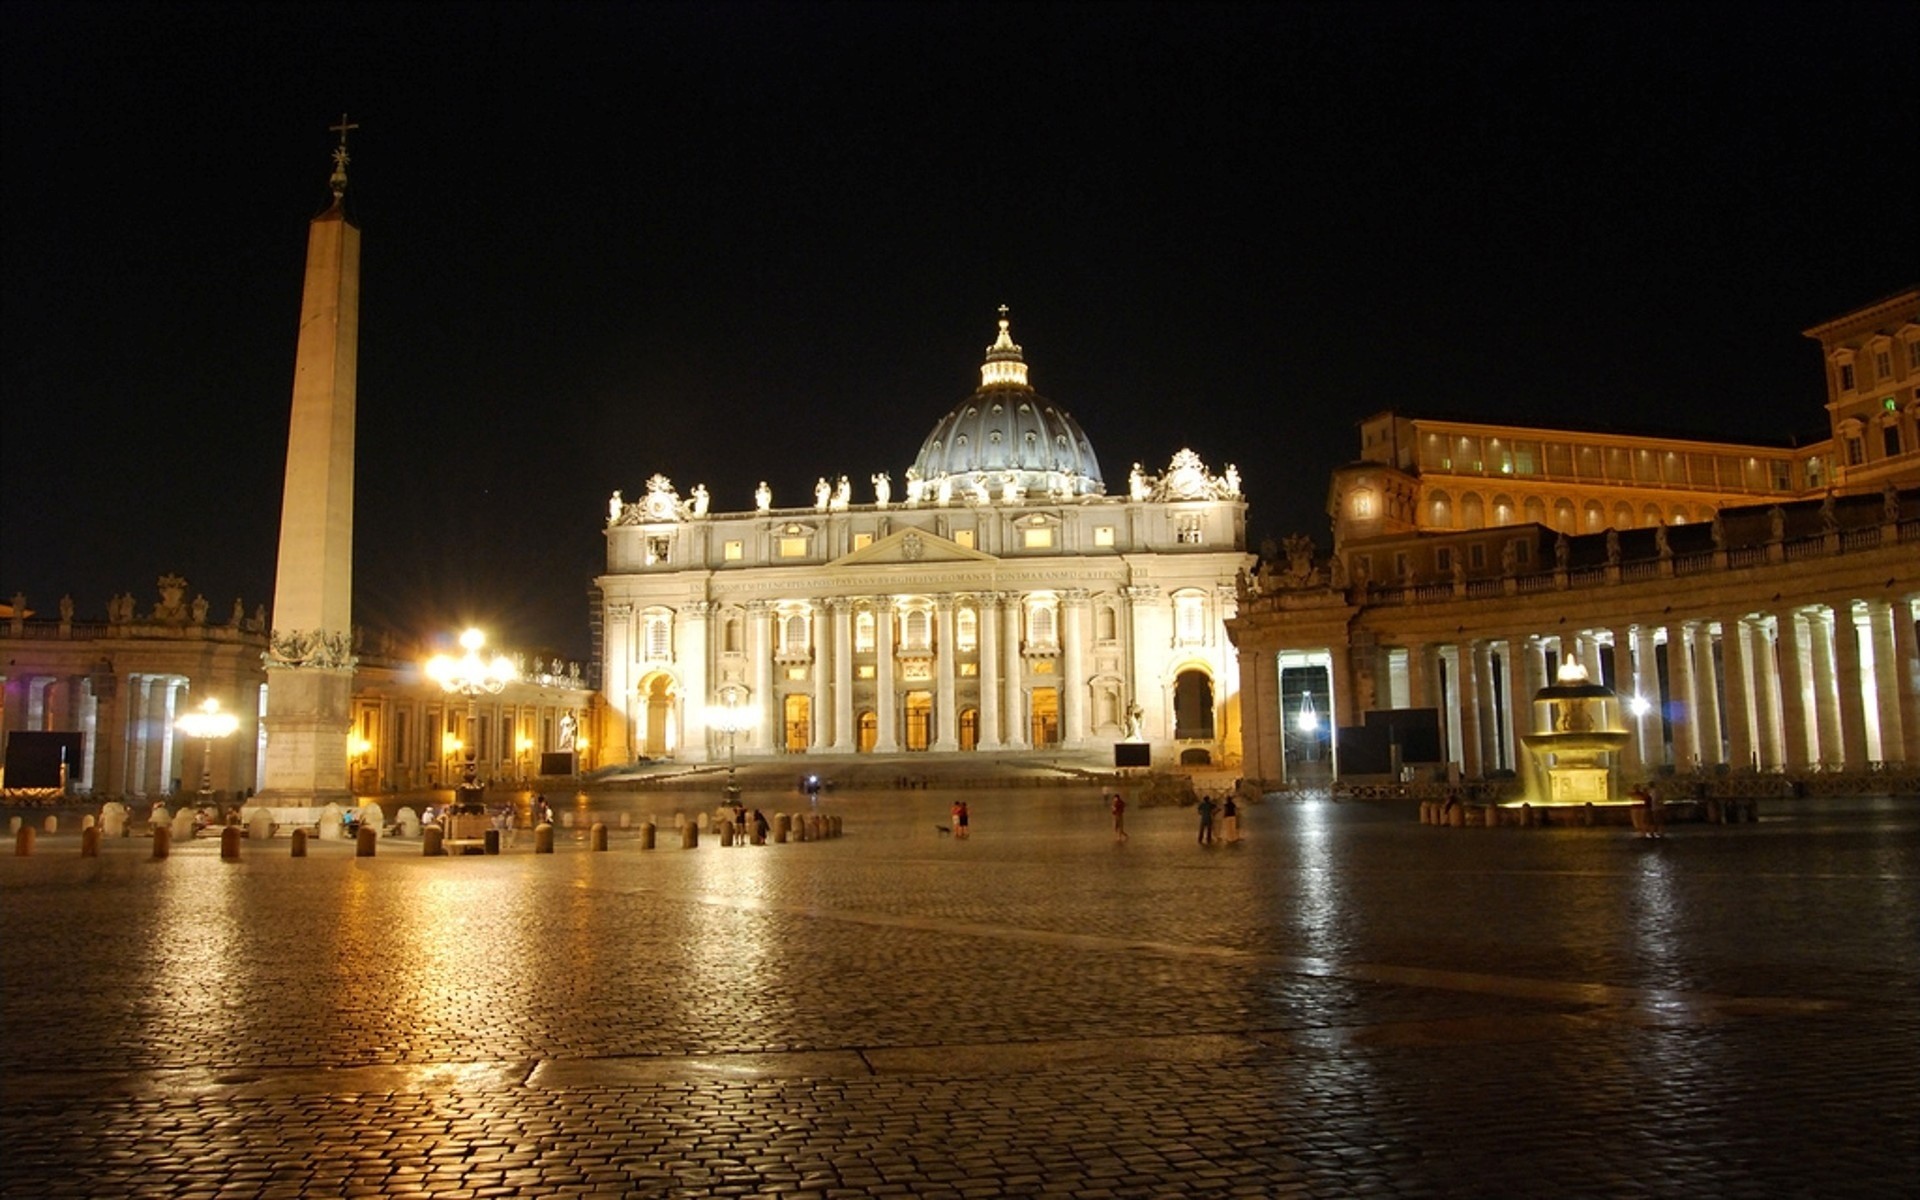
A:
(1714, 815)
(230, 843)
(626, 820)
(183, 824)
(113, 819)
(23, 841)
(566, 820)
(1526, 816)
(433, 842)
(86, 822)
(162, 841)
(1586, 814)
(366, 841)
(13, 826)
(298, 844)
(52, 824)
(1426, 812)
(598, 835)
(833, 823)
(757, 832)
(689, 836)
(543, 839)
(726, 833)
(646, 836)
(90, 842)
(490, 841)
(703, 819)
(260, 828)
(780, 826)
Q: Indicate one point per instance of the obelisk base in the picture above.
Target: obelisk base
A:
(309, 717)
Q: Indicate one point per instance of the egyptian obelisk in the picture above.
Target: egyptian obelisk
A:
(309, 660)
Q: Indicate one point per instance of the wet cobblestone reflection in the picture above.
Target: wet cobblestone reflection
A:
(1347, 1003)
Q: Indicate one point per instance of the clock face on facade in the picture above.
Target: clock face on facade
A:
(659, 506)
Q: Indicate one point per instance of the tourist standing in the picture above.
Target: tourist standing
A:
(1118, 807)
(960, 819)
(1206, 820)
(1230, 819)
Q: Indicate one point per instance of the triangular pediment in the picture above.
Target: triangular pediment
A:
(911, 547)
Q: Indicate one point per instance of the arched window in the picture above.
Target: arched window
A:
(1193, 706)
(793, 634)
(916, 630)
(1472, 512)
(1650, 516)
(1623, 516)
(1041, 627)
(1534, 511)
(1596, 517)
(966, 629)
(863, 631)
(1440, 510)
(1105, 623)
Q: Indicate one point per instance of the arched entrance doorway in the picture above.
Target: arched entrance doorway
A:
(656, 717)
(969, 729)
(1045, 717)
(869, 727)
(1193, 707)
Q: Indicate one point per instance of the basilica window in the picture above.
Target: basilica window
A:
(1188, 533)
(863, 631)
(1882, 364)
(916, 633)
(657, 550)
(1042, 627)
(1856, 452)
(963, 538)
(1890, 437)
(1190, 613)
(1846, 377)
(1913, 355)
(732, 627)
(656, 638)
(862, 540)
(734, 551)
(1103, 535)
(1363, 504)
(793, 546)
(1037, 539)
(966, 630)
(793, 634)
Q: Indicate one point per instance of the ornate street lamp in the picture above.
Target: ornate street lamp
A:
(729, 716)
(208, 725)
(471, 676)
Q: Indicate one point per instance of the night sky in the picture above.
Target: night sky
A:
(734, 242)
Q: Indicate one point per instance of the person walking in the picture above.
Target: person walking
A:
(1206, 820)
(1230, 819)
(1118, 807)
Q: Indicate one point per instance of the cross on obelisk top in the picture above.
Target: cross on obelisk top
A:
(339, 180)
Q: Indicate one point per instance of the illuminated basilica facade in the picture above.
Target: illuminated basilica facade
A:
(1754, 604)
(993, 599)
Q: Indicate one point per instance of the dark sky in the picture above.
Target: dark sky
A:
(733, 242)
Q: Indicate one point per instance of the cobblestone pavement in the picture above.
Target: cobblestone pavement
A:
(1346, 1004)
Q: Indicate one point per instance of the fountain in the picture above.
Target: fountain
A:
(1571, 759)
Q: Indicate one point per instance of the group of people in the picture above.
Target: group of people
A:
(960, 816)
(1229, 811)
(753, 828)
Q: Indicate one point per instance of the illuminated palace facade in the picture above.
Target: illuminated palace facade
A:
(1754, 604)
(994, 599)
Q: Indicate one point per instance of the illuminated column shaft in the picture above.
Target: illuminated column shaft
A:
(946, 716)
(1486, 721)
(1263, 718)
(310, 669)
(1706, 691)
(1740, 723)
(760, 653)
(1681, 712)
(617, 745)
(989, 627)
(1766, 692)
(1623, 685)
(1646, 683)
(886, 737)
(1906, 657)
(1849, 682)
(1073, 721)
(1825, 701)
(1014, 719)
(839, 651)
(1466, 677)
(693, 653)
(1885, 680)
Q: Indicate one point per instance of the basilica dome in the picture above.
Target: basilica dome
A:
(1006, 439)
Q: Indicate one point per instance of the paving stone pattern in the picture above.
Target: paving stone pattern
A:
(1346, 1004)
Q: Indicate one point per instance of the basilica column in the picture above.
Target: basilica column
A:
(946, 714)
(766, 718)
(1015, 718)
(886, 738)
(988, 610)
(1144, 653)
(1906, 658)
(1828, 750)
(840, 653)
(616, 738)
(692, 654)
(1886, 677)
(1073, 685)
(1851, 686)
(1740, 723)
(1683, 707)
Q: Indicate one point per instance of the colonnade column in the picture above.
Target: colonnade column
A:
(1740, 723)
(1906, 658)
(1419, 675)
(1622, 683)
(1886, 675)
(945, 717)
(760, 654)
(1847, 680)
(989, 627)
(1706, 696)
(1015, 716)
(1649, 725)
(1467, 690)
(1263, 719)
(1520, 691)
(1766, 692)
(1797, 750)
(833, 658)
(1826, 695)
(1485, 719)
(1683, 706)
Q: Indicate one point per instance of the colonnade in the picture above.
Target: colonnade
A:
(1832, 685)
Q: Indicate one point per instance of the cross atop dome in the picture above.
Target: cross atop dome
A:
(339, 180)
(1004, 366)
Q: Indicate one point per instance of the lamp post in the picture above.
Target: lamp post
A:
(470, 676)
(729, 717)
(208, 726)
